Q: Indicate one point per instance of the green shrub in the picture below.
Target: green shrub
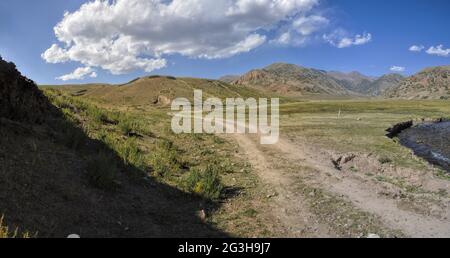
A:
(164, 159)
(205, 183)
(164, 165)
(128, 126)
(102, 170)
(131, 154)
(97, 115)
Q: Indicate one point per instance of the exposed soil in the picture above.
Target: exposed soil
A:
(304, 179)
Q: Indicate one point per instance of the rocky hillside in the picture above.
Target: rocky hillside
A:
(20, 99)
(431, 83)
(288, 79)
(229, 78)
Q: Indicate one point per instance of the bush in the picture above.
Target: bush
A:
(98, 115)
(205, 183)
(128, 127)
(164, 159)
(131, 154)
(102, 170)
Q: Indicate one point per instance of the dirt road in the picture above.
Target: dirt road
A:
(313, 198)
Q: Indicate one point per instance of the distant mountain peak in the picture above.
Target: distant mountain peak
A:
(283, 67)
(291, 79)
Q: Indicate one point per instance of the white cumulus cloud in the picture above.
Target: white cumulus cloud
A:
(398, 69)
(340, 39)
(55, 55)
(309, 24)
(439, 51)
(79, 74)
(416, 48)
(301, 30)
(126, 35)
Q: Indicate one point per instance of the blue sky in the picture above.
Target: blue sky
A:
(26, 32)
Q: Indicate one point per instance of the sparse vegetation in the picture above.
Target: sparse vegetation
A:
(205, 182)
(128, 127)
(6, 232)
(197, 163)
(166, 161)
(362, 125)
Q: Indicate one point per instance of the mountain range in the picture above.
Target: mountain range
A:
(293, 80)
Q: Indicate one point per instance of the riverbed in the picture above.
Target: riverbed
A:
(430, 141)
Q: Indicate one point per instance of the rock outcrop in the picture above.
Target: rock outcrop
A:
(20, 98)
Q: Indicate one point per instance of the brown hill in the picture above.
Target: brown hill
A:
(161, 90)
(288, 79)
(431, 83)
(51, 173)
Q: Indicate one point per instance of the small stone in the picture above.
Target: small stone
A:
(73, 236)
(271, 195)
(370, 235)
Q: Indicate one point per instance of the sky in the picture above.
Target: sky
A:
(81, 41)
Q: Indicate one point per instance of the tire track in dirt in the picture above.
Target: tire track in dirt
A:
(289, 207)
(361, 194)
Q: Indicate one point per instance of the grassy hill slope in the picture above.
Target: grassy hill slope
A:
(74, 165)
(161, 90)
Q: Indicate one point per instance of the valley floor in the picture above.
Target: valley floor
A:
(311, 198)
(322, 184)
(332, 174)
